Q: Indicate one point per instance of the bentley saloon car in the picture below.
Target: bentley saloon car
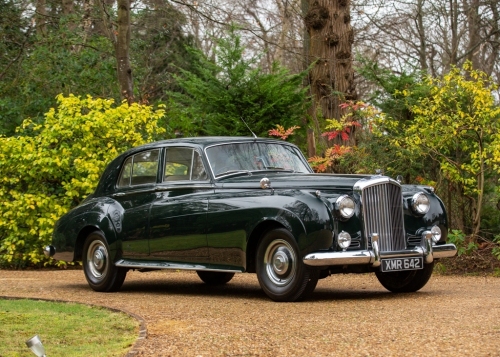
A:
(226, 205)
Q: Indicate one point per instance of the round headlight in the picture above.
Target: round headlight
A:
(436, 234)
(344, 240)
(345, 206)
(420, 203)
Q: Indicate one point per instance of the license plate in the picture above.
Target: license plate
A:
(398, 264)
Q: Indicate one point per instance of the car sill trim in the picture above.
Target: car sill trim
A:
(124, 263)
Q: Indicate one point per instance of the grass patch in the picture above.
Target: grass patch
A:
(66, 329)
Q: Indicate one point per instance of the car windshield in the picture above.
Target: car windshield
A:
(232, 158)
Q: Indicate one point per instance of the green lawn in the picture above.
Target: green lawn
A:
(65, 329)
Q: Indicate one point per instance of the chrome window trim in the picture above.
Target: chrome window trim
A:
(117, 187)
(193, 148)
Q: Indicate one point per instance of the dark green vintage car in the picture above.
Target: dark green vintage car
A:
(226, 205)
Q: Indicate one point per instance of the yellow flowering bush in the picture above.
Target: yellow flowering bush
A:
(457, 126)
(48, 168)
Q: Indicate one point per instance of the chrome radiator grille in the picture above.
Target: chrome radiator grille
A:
(383, 214)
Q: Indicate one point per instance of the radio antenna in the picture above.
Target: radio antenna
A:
(243, 120)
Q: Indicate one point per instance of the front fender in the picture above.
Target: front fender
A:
(305, 216)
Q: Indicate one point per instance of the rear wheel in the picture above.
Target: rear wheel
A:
(405, 281)
(215, 277)
(281, 273)
(100, 272)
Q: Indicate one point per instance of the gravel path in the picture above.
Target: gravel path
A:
(348, 315)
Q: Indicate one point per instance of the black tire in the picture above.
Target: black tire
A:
(100, 272)
(215, 277)
(280, 270)
(406, 281)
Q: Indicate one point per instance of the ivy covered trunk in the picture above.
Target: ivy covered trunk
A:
(328, 24)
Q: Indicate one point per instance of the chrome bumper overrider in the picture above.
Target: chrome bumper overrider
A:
(373, 256)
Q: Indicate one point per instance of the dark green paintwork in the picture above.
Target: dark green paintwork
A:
(218, 222)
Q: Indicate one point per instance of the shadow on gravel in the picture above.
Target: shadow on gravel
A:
(245, 291)
(359, 294)
(191, 288)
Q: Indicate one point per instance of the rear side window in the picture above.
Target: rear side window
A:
(183, 164)
(140, 169)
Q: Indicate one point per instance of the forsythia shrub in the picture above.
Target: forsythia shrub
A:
(457, 125)
(48, 168)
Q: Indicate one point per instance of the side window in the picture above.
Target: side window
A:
(126, 174)
(140, 169)
(183, 164)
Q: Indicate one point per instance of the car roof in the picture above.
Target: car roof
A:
(202, 142)
(108, 177)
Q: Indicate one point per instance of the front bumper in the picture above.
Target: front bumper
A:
(374, 256)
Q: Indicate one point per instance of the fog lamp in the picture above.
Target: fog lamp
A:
(345, 206)
(420, 203)
(344, 240)
(436, 234)
(36, 346)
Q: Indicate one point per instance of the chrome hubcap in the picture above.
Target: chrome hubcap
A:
(280, 262)
(97, 260)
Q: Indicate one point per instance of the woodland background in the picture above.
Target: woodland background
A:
(407, 87)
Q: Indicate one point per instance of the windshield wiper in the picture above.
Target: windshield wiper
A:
(271, 168)
(233, 173)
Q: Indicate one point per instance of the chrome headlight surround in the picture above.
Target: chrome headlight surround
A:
(436, 234)
(345, 206)
(420, 203)
(344, 240)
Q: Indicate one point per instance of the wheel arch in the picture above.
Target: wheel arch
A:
(80, 240)
(253, 241)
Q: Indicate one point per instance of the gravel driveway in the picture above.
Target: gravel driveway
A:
(348, 315)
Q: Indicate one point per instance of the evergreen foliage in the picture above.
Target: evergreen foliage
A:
(219, 93)
(69, 59)
(158, 49)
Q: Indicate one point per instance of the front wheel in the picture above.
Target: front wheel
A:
(100, 272)
(214, 277)
(280, 271)
(405, 281)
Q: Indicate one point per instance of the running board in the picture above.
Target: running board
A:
(133, 264)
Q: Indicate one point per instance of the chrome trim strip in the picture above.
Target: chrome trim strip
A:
(376, 251)
(131, 192)
(184, 186)
(124, 263)
(428, 247)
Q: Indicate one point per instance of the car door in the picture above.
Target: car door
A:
(135, 192)
(178, 216)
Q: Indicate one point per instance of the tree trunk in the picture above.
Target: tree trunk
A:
(471, 8)
(41, 18)
(122, 51)
(286, 24)
(328, 24)
(68, 9)
(311, 142)
(422, 53)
